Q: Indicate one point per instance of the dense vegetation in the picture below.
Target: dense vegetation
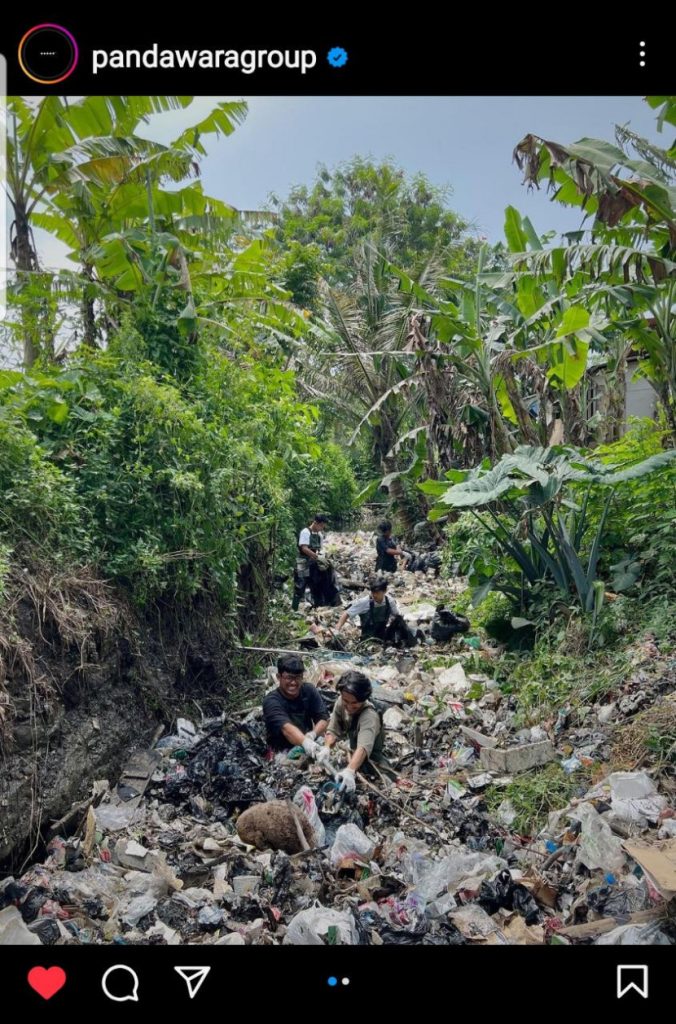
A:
(204, 379)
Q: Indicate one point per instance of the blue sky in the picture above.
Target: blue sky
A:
(462, 141)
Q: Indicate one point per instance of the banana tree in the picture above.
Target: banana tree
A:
(81, 172)
(628, 268)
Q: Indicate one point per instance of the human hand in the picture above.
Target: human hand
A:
(324, 755)
(309, 746)
(346, 780)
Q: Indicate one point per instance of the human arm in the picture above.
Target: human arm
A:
(369, 728)
(278, 721)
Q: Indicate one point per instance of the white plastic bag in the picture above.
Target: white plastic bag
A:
(635, 798)
(598, 847)
(311, 927)
(433, 877)
(351, 844)
(305, 799)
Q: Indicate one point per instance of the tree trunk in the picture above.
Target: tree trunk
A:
(88, 308)
(26, 261)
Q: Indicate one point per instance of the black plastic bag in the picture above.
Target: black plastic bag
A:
(447, 624)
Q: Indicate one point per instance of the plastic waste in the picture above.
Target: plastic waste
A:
(446, 624)
(634, 935)
(305, 799)
(210, 917)
(598, 847)
(138, 909)
(185, 737)
(634, 798)
(667, 829)
(506, 813)
(452, 681)
(503, 893)
(320, 926)
(406, 915)
(351, 844)
(13, 931)
(430, 878)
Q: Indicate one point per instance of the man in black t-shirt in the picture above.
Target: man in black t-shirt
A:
(294, 713)
(387, 549)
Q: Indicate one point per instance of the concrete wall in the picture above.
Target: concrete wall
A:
(641, 397)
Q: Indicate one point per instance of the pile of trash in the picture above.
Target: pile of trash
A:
(208, 839)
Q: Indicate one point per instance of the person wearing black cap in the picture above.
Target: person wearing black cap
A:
(294, 713)
(354, 717)
(379, 616)
(309, 554)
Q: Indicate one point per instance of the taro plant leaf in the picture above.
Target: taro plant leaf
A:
(648, 465)
(478, 491)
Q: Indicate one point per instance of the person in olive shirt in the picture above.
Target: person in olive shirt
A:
(294, 713)
(387, 549)
(355, 717)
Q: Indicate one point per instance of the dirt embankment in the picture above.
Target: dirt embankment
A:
(83, 681)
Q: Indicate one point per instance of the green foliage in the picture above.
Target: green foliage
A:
(640, 530)
(535, 794)
(39, 502)
(322, 482)
(166, 491)
(537, 512)
(405, 218)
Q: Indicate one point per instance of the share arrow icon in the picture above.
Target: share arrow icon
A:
(193, 977)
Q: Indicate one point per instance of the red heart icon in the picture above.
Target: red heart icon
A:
(46, 981)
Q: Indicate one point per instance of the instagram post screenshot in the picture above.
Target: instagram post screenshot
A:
(337, 516)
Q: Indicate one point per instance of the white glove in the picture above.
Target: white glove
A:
(347, 780)
(309, 746)
(324, 755)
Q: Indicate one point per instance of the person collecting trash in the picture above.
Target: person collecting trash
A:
(387, 549)
(294, 713)
(379, 617)
(355, 718)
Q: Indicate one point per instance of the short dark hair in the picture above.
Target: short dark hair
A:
(355, 683)
(385, 526)
(290, 663)
(377, 583)
(321, 518)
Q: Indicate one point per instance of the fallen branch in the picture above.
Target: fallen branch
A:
(76, 809)
(400, 809)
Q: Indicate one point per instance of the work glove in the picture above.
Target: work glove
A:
(346, 780)
(324, 755)
(309, 746)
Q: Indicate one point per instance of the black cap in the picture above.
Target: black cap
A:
(377, 583)
(321, 518)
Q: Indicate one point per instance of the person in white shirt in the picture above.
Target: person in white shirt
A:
(309, 548)
(379, 616)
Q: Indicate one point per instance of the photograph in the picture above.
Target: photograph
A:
(337, 519)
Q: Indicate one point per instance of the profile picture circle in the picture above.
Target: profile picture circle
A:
(48, 54)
